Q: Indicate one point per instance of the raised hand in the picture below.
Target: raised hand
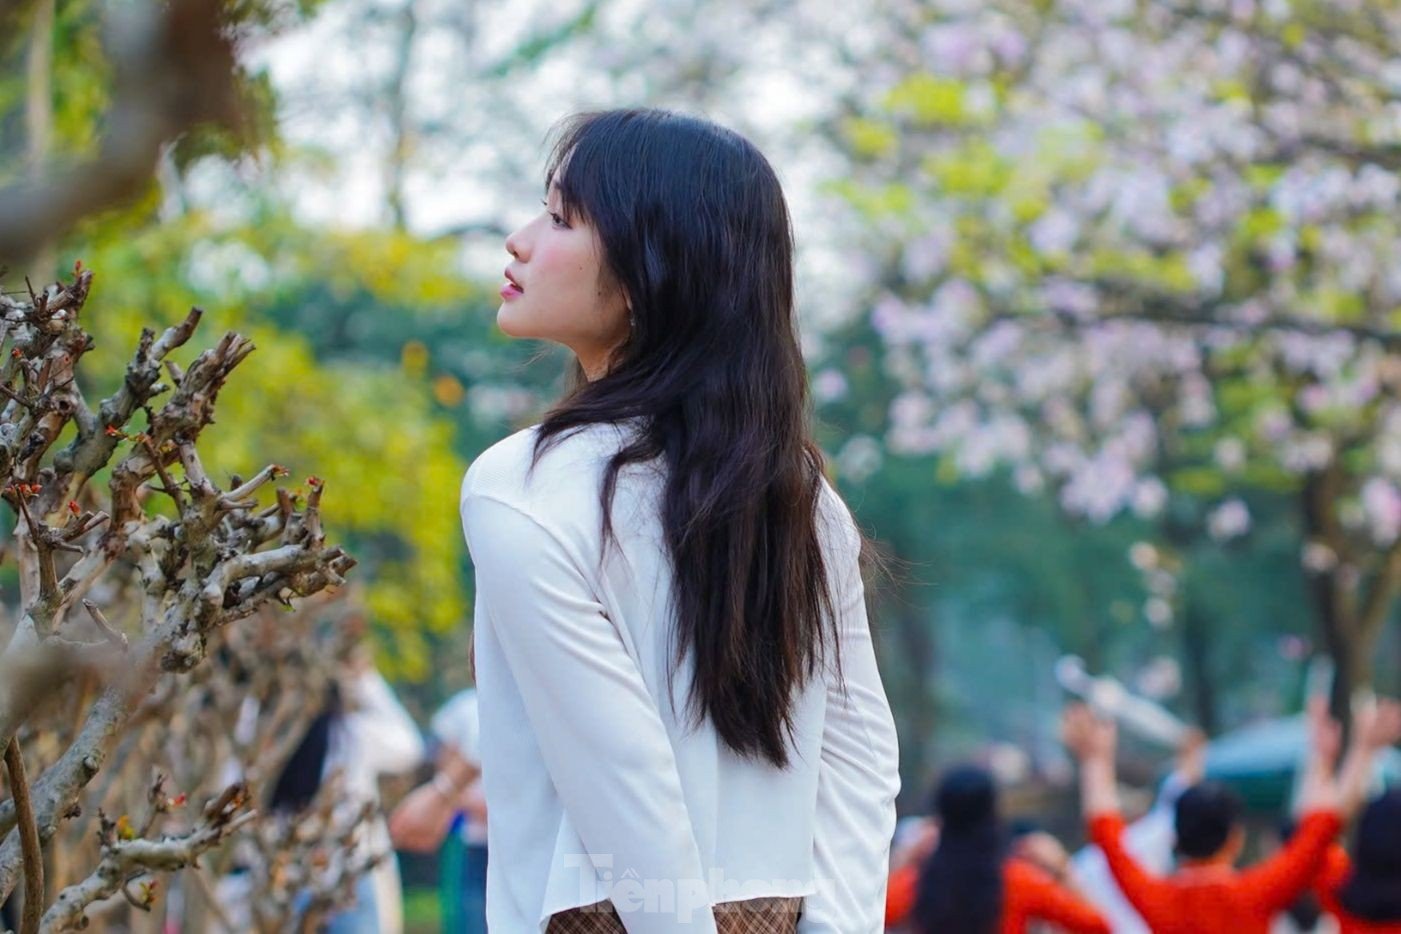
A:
(1375, 725)
(1378, 725)
(1092, 741)
(1191, 756)
(1320, 789)
(1087, 736)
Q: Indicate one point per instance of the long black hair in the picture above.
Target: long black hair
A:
(694, 228)
(300, 779)
(1373, 890)
(960, 886)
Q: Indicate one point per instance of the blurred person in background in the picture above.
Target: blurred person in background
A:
(1149, 840)
(448, 813)
(1363, 892)
(1304, 915)
(1206, 894)
(973, 882)
(361, 732)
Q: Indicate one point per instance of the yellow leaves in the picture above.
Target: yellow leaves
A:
(895, 198)
(414, 359)
(929, 99)
(394, 267)
(1263, 177)
(975, 171)
(1024, 257)
(1310, 238)
(1231, 89)
(1258, 224)
(870, 139)
(1169, 271)
(1185, 194)
(1334, 304)
(1029, 206)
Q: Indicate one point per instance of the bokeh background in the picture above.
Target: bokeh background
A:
(1101, 301)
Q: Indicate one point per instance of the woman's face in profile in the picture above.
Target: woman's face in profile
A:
(556, 288)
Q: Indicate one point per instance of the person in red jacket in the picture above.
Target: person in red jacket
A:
(970, 884)
(1364, 893)
(1207, 895)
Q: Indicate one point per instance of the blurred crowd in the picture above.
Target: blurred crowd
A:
(1177, 868)
(1332, 865)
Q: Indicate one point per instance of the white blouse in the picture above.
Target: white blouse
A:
(596, 786)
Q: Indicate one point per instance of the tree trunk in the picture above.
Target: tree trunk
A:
(38, 122)
(1195, 629)
(915, 643)
(1334, 603)
(1196, 651)
(400, 130)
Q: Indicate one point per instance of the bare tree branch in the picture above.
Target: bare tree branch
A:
(218, 560)
(29, 840)
(125, 859)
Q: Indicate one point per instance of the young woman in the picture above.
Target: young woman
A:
(972, 884)
(682, 724)
(1364, 892)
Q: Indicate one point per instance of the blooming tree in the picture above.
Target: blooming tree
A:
(1144, 258)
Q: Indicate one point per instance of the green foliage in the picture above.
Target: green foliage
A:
(368, 428)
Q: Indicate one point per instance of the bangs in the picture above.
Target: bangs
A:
(575, 158)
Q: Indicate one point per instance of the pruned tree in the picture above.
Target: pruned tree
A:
(237, 718)
(125, 520)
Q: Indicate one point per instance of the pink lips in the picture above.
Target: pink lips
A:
(512, 288)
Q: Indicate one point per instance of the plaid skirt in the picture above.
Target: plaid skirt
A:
(775, 915)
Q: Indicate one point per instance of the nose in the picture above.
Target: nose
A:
(513, 245)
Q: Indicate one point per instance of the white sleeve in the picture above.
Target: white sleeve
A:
(385, 735)
(859, 776)
(596, 725)
(1151, 838)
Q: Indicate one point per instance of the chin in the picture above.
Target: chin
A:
(511, 322)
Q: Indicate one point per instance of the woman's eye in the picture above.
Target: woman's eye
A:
(553, 216)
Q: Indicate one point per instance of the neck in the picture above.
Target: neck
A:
(595, 362)
(593, 367)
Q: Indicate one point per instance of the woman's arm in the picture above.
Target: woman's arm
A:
(596, 724)
(859, 774)
(422, 819)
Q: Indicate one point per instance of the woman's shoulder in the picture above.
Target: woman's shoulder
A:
(569, 466)
(501, 467)
(836, 524)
